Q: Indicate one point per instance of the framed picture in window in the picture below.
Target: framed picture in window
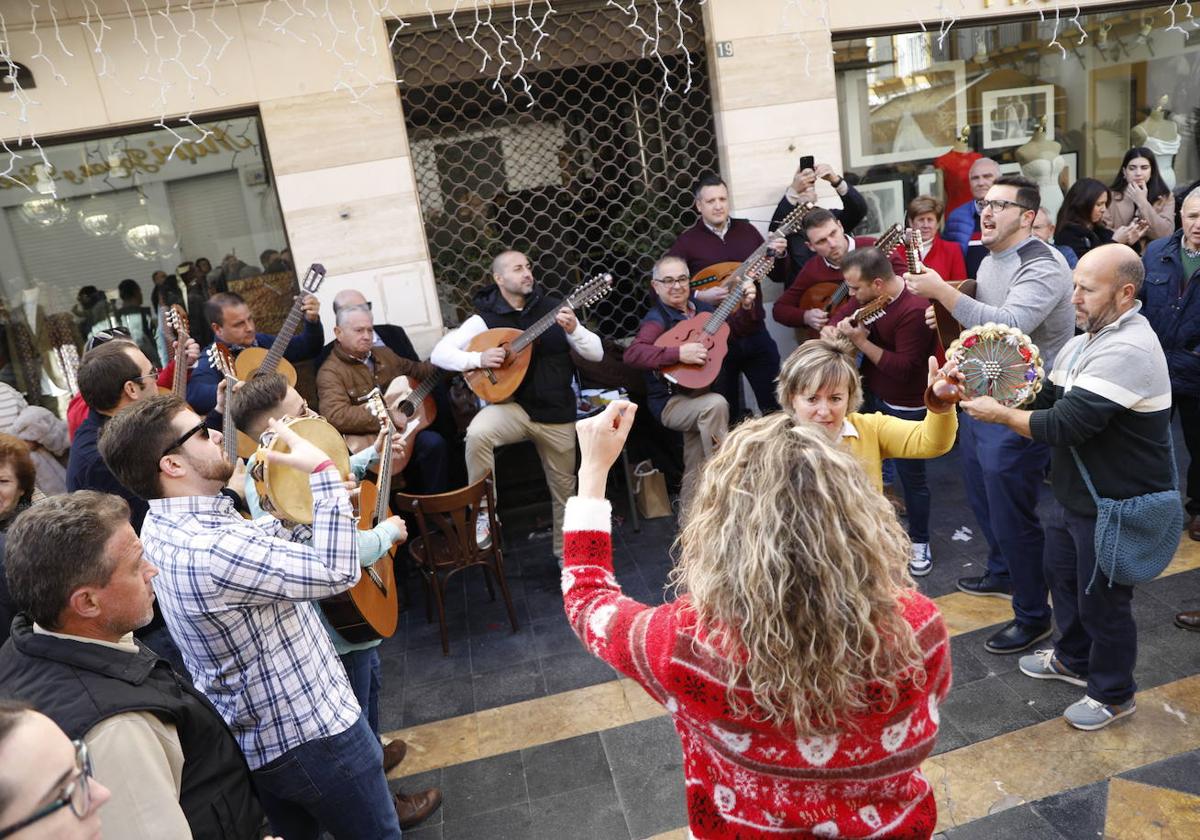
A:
(885, 206)
(927, 184)
(891, 120)
(1010, 115)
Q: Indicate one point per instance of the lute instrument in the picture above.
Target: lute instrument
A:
(255, 360)
(175, 329)
(237, 443)
(371, 608)
(498, 384)
(948, 328)
(829, 295)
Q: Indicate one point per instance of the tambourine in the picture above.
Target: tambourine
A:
(283, 491)
(997, 361)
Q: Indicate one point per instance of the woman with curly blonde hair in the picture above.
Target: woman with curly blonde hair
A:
(801, 667)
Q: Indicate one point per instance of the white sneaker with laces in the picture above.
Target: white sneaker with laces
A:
(1044, 665)
(921, 563)
(483, 530)
(1088, 714)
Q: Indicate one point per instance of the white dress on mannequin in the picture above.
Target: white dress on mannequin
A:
(1164, 152)
(1045, 172)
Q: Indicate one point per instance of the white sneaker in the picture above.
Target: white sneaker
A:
(921, 563)
(483, 530)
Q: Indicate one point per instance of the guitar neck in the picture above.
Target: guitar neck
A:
(228, 430)
(179, 378)
(284, 337)
(385, 476)
(425, 388)
(533, 332)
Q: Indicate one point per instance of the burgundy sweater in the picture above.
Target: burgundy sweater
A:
(787, 309)
(700, 248)
(746, 778)
(903, 370)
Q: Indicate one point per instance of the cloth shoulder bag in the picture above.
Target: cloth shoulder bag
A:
(1135, 538)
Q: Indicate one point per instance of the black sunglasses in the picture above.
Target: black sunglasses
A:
(106, 335)
(199, 428)
(75, 794)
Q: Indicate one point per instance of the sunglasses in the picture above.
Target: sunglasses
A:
(76, 794)
(106, 335)
(199, 429)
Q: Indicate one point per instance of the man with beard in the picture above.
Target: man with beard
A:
(1109, 405)
(1023, 283)
(237, 595)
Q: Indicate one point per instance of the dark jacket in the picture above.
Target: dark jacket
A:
(961, 224)
(644, 355)
(1082, 239)
(86, 470)
(546, 392)
(8, 610)
(1171, 303)
(204, 379)
(77, 685)
(850, 214)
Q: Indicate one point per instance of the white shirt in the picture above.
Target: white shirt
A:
(451, 353)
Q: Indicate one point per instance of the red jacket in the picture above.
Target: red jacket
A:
(77, 409)
(746, 778)
(946, 258)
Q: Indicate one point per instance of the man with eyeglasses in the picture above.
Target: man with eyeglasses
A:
(702, 416)
(238, 595)
(46, 784)
(1024, 283)
(83, 586)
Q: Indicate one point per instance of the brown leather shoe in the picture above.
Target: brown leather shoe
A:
(1188, 620)
(416, 808)
(393, 754)
(1193, 527)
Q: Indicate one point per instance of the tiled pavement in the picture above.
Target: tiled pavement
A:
(619, 776)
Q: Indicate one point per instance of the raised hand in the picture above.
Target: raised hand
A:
(303, 456)
(311, 307)
(601, 439)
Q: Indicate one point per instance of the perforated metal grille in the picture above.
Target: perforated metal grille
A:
(589, 169)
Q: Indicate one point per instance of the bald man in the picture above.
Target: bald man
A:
(962, 223)
(1109, 399)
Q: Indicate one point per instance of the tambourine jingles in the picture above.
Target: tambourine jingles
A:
(284, 492)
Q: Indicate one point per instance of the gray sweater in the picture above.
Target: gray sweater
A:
(1028, 287)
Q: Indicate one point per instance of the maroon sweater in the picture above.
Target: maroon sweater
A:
(901, 374)
(787, 309)
(700, 248)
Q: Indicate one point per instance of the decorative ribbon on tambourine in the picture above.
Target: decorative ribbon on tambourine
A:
(997, 361)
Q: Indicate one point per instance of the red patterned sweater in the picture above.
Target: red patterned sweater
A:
(747, 779)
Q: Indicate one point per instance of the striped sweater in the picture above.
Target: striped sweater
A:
(747, 778)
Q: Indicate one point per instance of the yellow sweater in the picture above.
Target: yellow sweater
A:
(881, 436)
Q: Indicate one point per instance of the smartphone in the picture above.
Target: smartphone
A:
(806, 162)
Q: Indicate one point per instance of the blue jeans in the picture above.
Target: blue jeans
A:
(362, 668)
(335, 784)
(911, 472)
(1098, 634)
(1003, 474)
(757, 357)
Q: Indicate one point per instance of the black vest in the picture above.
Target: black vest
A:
(546, 393)
(78, 684)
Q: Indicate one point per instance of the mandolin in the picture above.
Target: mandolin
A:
(716, 274)
(237, 444)
(829, 295)
(255, 360)
(498, 384)
(869, 313)
(175, 329)
(371, 608)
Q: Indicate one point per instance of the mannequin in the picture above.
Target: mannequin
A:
(1041, 162)
(1160, 135)
(953, 167)
(909, 136)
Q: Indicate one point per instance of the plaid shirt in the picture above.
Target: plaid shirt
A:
(236, 595)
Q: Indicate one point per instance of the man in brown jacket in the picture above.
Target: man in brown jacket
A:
(354, 368)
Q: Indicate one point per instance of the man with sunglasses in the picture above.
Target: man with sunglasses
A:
(703, 416)
(83, 587)
(46, 783)
(1024, 283)
(238, 596)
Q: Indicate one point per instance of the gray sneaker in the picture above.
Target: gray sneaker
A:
(1044, 665)
(1089, 714)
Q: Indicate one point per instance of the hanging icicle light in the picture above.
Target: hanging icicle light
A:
(45, 211)
(146, 238)
(99, 217)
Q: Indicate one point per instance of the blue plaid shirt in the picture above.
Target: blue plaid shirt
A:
(237, 596)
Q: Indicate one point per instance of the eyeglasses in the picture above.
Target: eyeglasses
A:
(76, 794)
(151, 374)
(199, 428)
(106, 335)
(998, 205)
(673, 281)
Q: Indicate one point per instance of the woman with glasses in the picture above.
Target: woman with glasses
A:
(46, 787)
(1081, 226)
(1140, 193)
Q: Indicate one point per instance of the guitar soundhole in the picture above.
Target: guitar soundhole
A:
(407, 408)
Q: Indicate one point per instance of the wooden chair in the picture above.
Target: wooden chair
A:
(446, 544)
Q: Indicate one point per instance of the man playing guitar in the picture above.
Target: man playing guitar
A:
(717, 238)
(543, 408)
(895, 350)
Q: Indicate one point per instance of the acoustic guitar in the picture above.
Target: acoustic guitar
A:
(715, 274)
(829, 295)
(255, 360)
(498, 384)
(175, 329)
(417, 410)
(371, 608)
(237, 443)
